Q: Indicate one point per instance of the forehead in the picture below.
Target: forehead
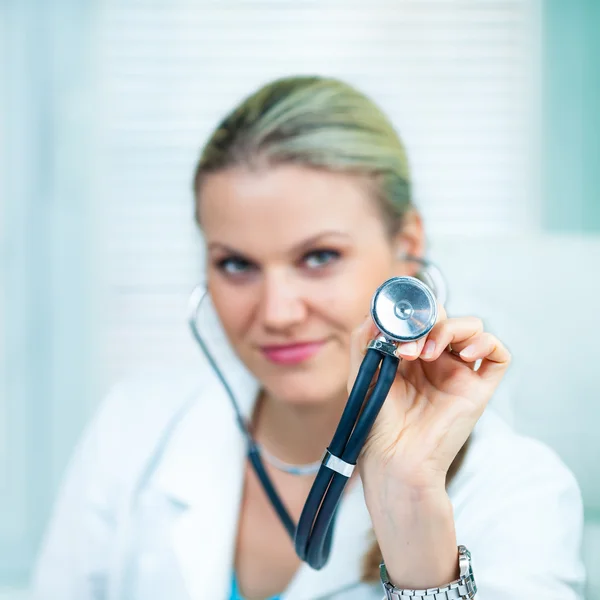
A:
(287, 203)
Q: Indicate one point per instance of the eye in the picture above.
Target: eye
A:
(234, 265)
(320, 258)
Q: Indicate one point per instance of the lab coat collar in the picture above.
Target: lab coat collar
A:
(202, 469)
(209, 426)
(207, 442)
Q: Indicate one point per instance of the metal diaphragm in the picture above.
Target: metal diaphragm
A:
(404, 309)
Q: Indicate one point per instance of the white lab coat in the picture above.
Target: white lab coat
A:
(149, 506)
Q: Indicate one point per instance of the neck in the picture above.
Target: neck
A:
(296, 434)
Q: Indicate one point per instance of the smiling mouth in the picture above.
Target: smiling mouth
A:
(291, 354)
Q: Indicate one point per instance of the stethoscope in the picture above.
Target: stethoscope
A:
(404, 309)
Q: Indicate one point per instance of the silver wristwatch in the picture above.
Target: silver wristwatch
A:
(463, 588)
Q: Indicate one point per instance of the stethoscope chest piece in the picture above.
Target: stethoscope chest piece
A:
(404, 309)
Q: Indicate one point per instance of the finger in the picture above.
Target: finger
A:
(450, 331)
(442, 314)
(413, 350)
(486, 347)
(473, 345)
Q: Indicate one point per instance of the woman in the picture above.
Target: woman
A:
(303, 197)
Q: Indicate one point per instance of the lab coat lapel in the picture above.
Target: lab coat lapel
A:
(203, 471)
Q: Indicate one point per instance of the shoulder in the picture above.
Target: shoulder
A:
(153, 395)
(132, 416)
(503, 465)
(139, 410)
(498, 453)
(148, 398)
(518, 508)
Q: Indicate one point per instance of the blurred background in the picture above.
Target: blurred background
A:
(104, 106)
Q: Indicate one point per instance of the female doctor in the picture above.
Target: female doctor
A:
(303, 196)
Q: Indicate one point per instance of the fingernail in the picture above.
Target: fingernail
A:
(428, 349)
(409, 349)
(468, 352)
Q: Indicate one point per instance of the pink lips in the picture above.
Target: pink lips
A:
(291, 354)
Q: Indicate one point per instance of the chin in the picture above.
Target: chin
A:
(305, 387)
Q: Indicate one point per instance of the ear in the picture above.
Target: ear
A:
(410, 240)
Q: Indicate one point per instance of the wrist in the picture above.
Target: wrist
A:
(385, 489)
(415, 530)
(416, 481)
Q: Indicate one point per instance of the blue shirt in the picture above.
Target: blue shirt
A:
(235, 593)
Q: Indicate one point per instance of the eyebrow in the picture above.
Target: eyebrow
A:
(303, 245)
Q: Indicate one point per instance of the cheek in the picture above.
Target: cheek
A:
(347, 301)
(234, 308)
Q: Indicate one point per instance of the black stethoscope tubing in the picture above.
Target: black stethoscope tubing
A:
(313, 534)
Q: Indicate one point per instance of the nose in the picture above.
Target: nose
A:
(282, 304)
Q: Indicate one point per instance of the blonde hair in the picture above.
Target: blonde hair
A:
(318, 122)
(322, 123)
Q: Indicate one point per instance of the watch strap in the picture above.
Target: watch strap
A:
(464, 588)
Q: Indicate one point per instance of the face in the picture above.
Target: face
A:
(294, 256)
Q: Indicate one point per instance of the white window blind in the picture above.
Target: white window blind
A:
(459, 80)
